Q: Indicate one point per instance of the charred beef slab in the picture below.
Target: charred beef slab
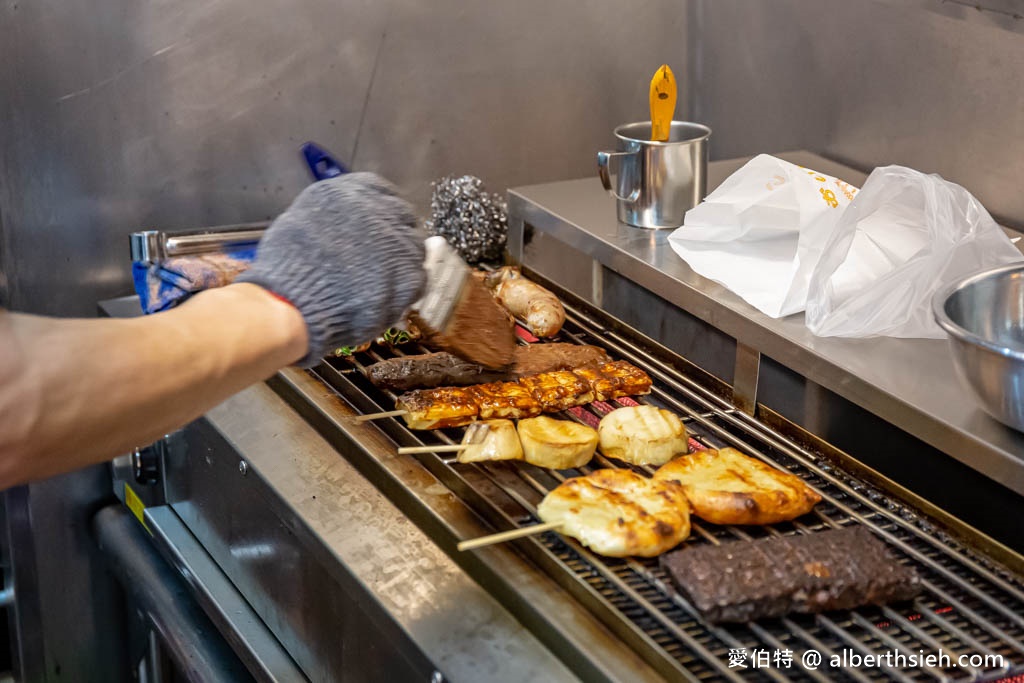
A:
(431, 370)
(771, 577)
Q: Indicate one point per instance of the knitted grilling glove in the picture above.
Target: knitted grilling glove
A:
(347, 255)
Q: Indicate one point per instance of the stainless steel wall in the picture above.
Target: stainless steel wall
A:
(869, 83)
(119, 115)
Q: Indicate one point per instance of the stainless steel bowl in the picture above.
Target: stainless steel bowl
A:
(984, 316)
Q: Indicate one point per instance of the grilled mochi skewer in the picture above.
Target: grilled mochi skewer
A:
(556, 444)
(642, 435)
(728, 487)
(619, 513)
(500, 441)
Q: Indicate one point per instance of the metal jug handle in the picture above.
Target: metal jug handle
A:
(603, 159)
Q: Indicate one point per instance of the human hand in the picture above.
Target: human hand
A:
(347, 255)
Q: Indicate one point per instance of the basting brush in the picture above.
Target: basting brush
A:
(458, 314)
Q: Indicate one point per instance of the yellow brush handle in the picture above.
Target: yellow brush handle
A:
(663, 103)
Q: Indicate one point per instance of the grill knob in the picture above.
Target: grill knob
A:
(146, 465)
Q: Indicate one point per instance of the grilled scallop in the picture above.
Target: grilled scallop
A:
(558, 444)
(728, 487)
(500, 443)
(642, 435)
(619, 513)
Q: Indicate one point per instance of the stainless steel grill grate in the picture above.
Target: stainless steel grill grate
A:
(971, 606)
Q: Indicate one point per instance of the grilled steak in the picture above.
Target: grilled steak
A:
(837, 569)
(444, 369)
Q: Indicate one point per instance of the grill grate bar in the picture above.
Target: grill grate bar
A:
(826, 652)
(893, 643)
(634, 596)
(908, 626)
(950, 627)
(855, 644)
(774, 642)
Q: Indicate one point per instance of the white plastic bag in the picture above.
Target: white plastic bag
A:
(760, 232)
(904, 236)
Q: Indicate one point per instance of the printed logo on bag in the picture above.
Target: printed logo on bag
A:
(830, 198)
(828, 195)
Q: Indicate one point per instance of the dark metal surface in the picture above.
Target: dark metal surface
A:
(233, 617)
(314, 607)
(24, 619)
(971, 603)
(197, 649)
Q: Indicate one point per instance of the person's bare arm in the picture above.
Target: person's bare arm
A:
(76, 392)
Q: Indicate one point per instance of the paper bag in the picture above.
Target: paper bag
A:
(761, 232)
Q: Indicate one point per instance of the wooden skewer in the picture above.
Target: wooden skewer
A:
(453, 448)
(377, 416)
(508, 535)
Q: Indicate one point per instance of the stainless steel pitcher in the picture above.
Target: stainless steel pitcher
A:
(657, 182)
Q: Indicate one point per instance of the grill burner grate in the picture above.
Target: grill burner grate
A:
(970, 605)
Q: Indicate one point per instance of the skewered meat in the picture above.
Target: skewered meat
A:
(558, 444)
(642, 435)
(619, 513)
(438, 408)
(551, 391)
(728, 487)
(527, 300)
(501, 442)
(615, 379)
(771, 577)
(444, 369)
(505, 399)
(559, 390)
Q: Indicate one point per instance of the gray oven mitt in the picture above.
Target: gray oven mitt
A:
(347, 255)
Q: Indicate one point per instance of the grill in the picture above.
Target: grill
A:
(971, 605)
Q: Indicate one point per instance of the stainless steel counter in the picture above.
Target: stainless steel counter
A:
(910, 383)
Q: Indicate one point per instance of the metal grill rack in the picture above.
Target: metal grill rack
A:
(970, 606)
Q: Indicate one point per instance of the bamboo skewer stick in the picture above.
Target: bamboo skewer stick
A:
(508, 535)
(445, 448)
(377, 416)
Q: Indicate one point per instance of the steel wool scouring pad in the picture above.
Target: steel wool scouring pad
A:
(473, 221)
